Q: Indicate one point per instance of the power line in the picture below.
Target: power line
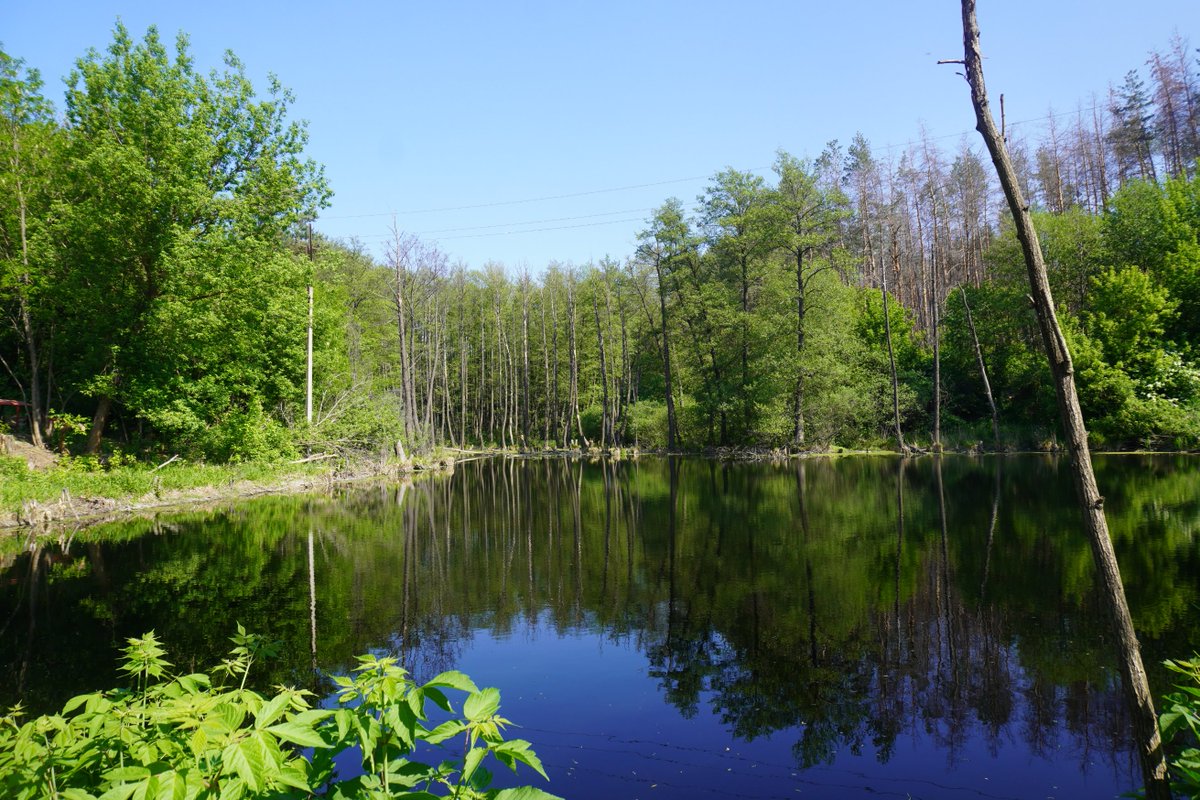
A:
(523, 200)
(529, 222)
(535, 222)
(475, 206)
(431, 233)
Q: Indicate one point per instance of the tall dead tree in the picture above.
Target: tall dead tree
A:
(983, 375)
(887, 331)
(525, 358)
(605, 418)
(1133, 673)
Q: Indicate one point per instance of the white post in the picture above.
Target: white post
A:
(309, 381)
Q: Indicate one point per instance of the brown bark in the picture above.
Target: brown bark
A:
(99, 420)
(1133, 673)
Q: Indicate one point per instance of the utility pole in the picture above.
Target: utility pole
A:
(308, 393)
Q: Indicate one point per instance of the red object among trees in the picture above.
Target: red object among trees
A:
(19, 413)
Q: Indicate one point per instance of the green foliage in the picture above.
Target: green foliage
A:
(648, 424)
(249, 434)
(12, 467)
(207, 736)
(160, 211)
(1127, 316)
(1180, 724)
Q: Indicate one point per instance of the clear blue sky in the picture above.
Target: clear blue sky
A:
(415, 108)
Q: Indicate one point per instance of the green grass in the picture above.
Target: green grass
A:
(80, 479)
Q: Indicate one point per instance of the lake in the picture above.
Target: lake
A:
(685, 628)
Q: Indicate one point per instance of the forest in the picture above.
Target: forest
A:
(159, 234)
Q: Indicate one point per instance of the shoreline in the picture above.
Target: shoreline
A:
(87, 511)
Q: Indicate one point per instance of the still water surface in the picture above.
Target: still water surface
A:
(858, 627)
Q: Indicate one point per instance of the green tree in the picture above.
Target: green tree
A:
(1128, 315)
(809, 217)
(181, 190)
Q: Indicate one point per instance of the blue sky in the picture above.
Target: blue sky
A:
(525, 132)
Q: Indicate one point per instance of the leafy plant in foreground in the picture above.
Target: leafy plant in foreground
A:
(206, 736)
(1180, 719)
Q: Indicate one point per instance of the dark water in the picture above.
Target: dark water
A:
(830, 628)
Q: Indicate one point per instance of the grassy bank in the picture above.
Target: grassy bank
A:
(78, 478)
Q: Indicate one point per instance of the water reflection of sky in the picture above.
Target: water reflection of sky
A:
(603, 729)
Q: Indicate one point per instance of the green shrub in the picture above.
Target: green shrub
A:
(12, 467)
(207, 736)
(245, 435)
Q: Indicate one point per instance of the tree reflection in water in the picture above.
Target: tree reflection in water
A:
(846, 605)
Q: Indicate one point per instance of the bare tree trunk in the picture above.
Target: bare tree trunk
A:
(672, 430)
(574, 354)
(462, 355)
(887, 330)
(935, 328)
(987, 385)
(798, 394)
(614, 414)
(37, 411)
(447, 419)
(483, 351)
(1133, 674)
(554, 400)
(525, 360)
(605, 421)
(432, 349)
(545, 375)
(99, 420)
(407, 390)
(625, 394)
(500, 363)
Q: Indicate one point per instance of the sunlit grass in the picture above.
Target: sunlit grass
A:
(80, 479)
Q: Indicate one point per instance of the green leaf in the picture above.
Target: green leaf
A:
(126, 774)
(76, 702)
(482, 705)
(272, 710)
(474, 756)
(454, 680)
(519, 750)
(171, 786)
(438, 697)
(447, 730)
(344, 717)
(297, 733)
(522, 793)
(245, 758)
(195, 683)
(312, 716)
(292, 775)
(228, 717)
(233, 789)
(76, 794)
(122, 792)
